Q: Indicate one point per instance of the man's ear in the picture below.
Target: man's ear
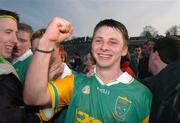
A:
(156, 56)
(124, 51)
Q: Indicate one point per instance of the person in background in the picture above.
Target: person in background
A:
(22, 54)
(164, 64)
(36, 37)
(77, 64)
(143, 62)
(109, 96)
(89, 64)
(63, 53)
(125, 64)
(135, 58)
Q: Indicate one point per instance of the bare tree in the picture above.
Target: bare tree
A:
(174, 30)
(149, 32)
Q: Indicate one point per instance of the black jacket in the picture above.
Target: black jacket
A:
(165, 87)
(12, 107)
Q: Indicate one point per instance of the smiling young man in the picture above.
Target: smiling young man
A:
(8, 39)
(109, 96)
(12, 106)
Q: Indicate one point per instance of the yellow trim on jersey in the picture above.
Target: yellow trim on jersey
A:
(2, 60)
(61, 90)
(86, 118)
(52, 94)
(65, 88)
(146, 120)
(47, 113)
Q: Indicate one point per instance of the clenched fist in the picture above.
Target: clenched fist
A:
(58, 30)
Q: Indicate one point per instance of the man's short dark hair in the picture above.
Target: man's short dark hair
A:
(25, 27)
(168, 48)
(38, 34)
(113, 24)
(9, 13)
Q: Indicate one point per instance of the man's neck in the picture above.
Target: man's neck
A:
(15, 58)
(160, 67)
(108, 75)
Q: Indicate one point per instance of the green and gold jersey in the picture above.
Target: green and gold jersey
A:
(124, 100)
(6, 67)
(4, 61)
(21, 65)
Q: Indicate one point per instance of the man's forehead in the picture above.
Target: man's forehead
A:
(23, 33)
(8, 24)
(7, 16)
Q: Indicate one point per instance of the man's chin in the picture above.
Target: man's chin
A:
(7, 55)
(16, 54)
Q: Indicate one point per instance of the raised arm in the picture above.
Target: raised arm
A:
(36, 85)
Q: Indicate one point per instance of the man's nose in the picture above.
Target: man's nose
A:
(14, 39)
(104, 46)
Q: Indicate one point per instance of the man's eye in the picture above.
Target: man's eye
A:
(113, 42)
(8, 32)
(22, 40)
(97, 41)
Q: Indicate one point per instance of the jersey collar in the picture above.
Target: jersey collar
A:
(124, 78)
(24, 56)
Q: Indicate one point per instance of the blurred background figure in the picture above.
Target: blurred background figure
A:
(164, 64)
(76, 63)
(63, 53)
(22, 54)
(89, 64)
(135, 58)
(125, 65)
(36, 37)
(143, 62)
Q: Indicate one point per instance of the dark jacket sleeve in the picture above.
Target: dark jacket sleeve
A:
(12, 107)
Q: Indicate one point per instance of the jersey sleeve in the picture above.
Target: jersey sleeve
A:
(61, 92)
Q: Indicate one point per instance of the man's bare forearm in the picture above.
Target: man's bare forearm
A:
(35, 88)
(36, 85)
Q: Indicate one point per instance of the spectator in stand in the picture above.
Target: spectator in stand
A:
(164, 64)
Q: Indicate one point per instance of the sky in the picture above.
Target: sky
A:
(85, 14)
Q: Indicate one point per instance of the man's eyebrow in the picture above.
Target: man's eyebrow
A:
(98, 37)
(8, 29)
(11, 30)
(113, 39)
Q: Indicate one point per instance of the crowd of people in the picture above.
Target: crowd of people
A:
(108, 85)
